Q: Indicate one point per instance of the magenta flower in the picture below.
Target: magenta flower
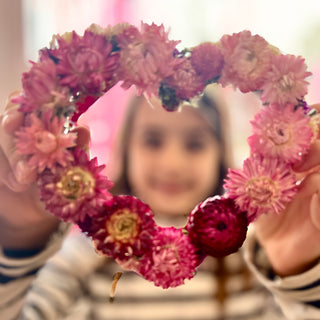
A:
(146, 58)
(123, 229)
(263, 185)
(185, 81)
(76, 192)
(41, 88)
(281, 132)
(44, 142)
(173, 258)
(207, 60)
(86, 64)
(247, 59)
(82, 106)
(217, 227)
(286, 80)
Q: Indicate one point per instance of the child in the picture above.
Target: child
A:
(171, 161)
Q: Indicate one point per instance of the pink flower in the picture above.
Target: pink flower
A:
(132, 263)
(76, 192)
(286, 80)
(126, 36)
(207, 60)
(185, 81)
(173, 258)
(44, 142)
(110, 31)
(217, 227)
(281, 132)
(146, 58)
(263, 185)
(247, 59)
(123, 229)
(41, 88)
(86, 64)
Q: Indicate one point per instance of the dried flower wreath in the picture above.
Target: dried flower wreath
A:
(76, 70)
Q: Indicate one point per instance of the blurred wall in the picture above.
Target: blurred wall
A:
(293, 26)
(12, 62)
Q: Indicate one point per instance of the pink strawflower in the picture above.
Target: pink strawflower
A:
(263, 185)
(85, 64)
(41, 88)
(146, 58)
(76, 192)
(123, 229)
(110, 31)
(286, 80)
(281, 132)
(127, 35)
(247, 59)
(217, 227)
(44, 142)
(173, 258)
(185, 81)
(207, 60)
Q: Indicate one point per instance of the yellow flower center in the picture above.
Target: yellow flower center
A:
(123, 226)
(280, 133)
(286, 83)
(75, 183)
(45, 141)
(261, 190)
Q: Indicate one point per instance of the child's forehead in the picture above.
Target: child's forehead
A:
(172, 127)
(155, 116)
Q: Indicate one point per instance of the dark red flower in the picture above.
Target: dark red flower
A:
(123, 229)
(217, 226)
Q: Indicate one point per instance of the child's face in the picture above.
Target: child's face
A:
(173, 159)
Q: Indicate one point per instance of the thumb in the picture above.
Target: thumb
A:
(83, 136)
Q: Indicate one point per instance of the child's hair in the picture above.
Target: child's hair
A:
(207, 108)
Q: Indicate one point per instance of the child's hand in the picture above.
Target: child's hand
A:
(24, 222)
(291, 239)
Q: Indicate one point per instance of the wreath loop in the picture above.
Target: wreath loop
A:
(75, 71)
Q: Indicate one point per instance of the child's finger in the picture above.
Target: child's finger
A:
(7, 177)
(315, 210)
(310, 160)
(83, 136)
(19, 171)
(309, 186)
(316, 106)
(11, 120)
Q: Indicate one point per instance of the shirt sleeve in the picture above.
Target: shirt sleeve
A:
(60, 287)
(18, 269)
(298, 295)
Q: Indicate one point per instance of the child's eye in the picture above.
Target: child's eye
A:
(195, 145)
(152, 142)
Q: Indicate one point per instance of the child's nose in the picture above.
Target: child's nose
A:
(173, 158)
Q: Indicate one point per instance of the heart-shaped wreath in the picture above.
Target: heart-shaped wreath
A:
(76, 70)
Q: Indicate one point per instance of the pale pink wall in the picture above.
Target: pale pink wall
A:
(11, 48)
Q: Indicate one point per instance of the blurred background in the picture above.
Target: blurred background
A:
(28, 25)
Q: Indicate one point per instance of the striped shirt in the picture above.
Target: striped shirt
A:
(74, 284)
